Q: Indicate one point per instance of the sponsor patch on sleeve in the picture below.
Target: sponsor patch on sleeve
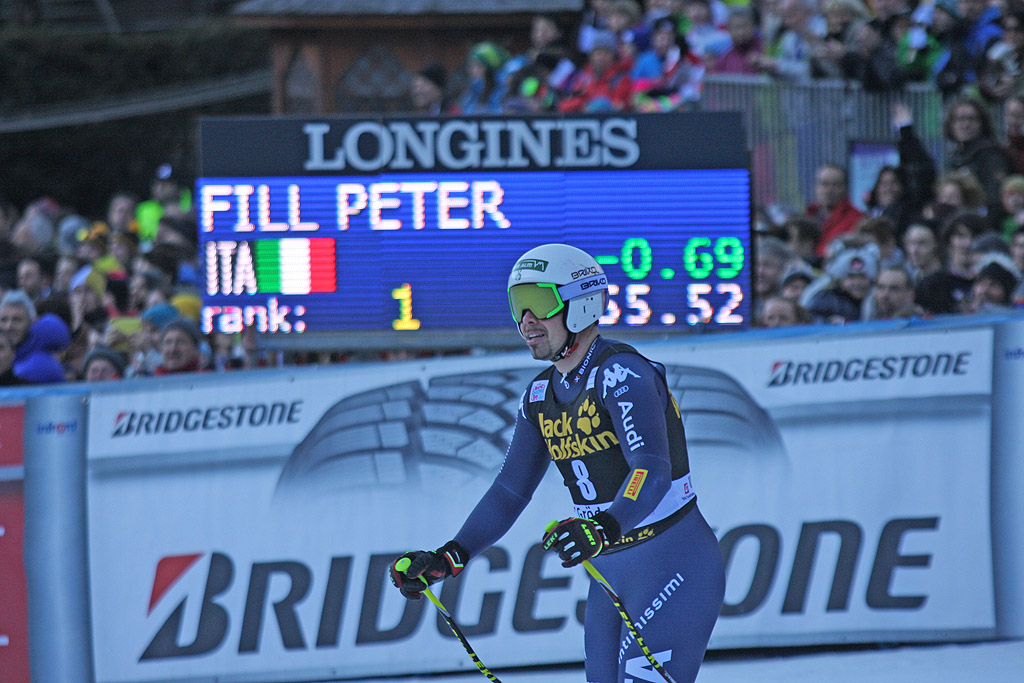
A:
(635, 483)
(537, 390)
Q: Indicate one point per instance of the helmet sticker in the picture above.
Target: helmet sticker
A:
(531, 264)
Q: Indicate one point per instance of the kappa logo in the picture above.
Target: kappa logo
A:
(537, 390)
(614, 375)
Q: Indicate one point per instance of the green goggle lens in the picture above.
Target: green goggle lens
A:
(541, 299)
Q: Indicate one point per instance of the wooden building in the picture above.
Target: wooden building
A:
(348, 56)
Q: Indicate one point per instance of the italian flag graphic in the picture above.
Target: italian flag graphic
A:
(295, 266)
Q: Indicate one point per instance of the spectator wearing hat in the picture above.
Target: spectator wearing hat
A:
(189, 306)
(994, 286)
(603, 84)
(103, 363)
(167, 195)
(852, 272)
(795, 281)
(70, 231)
(181, 343)
(145, 356)
(89, 316)
(484, 91)
(88, 291)
(427, 90)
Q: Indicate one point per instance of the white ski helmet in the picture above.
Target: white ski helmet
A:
(559, 276)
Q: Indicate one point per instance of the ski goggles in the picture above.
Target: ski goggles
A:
(545, 299)
(540, 298)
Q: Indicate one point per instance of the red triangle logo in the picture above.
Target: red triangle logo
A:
(168, 570)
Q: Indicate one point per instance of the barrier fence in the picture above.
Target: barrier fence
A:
(792, 129)
(862, 484)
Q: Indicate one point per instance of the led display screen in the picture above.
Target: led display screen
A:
(414, 224)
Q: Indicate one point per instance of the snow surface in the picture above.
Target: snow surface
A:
(995, 662)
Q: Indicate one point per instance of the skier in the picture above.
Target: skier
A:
(604, 414)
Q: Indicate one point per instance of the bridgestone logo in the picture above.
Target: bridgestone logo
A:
(213, 418)
(796, 373)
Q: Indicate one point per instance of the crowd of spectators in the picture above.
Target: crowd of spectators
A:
(118, 296)
(925, 245)
(653, 56)
(110, 298)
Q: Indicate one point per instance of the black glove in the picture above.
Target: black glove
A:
(414, 571)
(577, 539)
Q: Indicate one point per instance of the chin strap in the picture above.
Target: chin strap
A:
(567, 348)
(570, 341)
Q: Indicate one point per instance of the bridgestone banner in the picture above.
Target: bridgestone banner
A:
(240, 527)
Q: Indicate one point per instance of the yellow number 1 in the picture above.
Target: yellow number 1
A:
(405, 321)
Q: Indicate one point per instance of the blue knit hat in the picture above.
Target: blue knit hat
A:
(160, 314)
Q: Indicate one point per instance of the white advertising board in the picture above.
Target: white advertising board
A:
(240, 527)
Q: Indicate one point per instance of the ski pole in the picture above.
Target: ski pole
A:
(401, 566)
(626, 618)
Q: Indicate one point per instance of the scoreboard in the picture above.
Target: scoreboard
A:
(408, 225)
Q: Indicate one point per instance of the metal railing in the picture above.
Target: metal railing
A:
(792, 129)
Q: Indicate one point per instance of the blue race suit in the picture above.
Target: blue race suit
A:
(614, 431)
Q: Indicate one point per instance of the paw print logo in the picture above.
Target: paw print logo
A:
(645, 533)
(588, 419)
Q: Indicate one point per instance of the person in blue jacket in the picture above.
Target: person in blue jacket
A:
(37, 340)
(604, 414)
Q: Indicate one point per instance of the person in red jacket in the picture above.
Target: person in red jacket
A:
(604, 84)
(832, 208)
